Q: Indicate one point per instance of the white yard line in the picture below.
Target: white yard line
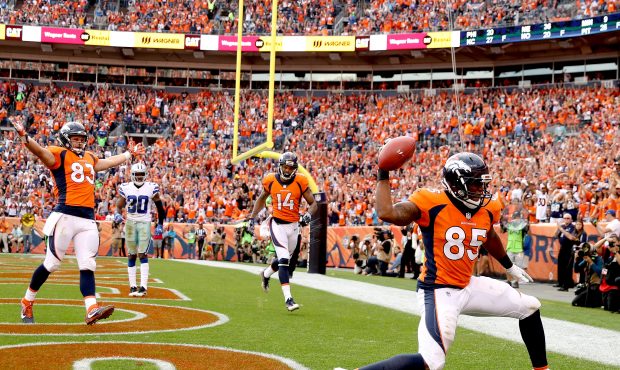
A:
(571, 339)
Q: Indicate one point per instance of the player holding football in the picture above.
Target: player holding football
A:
(287, 188)
(455, 222)
(137, 196)
(73, 218)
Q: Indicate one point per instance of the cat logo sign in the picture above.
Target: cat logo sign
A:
(159, 40)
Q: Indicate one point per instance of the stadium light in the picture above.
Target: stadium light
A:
(127, 52)
(199, 55)
(394, 60)
(417, 54)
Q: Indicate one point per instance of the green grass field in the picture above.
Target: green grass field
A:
(328, 331)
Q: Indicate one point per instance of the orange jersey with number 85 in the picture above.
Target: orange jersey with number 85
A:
(451, 237)
(285, 198)
(74, 177)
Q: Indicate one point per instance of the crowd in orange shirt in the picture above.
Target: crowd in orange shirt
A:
(300, 17)
(556, 136)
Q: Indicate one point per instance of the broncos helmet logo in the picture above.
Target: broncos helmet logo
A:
(457, 166)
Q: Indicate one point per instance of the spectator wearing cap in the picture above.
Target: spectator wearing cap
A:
(612, 226)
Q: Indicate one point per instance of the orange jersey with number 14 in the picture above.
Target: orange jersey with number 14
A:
(286, 198)
(451, 237)
(74, 177)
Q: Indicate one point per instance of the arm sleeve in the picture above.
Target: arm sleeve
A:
(161, 213)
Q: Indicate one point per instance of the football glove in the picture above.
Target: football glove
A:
(516, 273)
(18, 127)
(159, 230)
(305, 219)
(118, 218)
(135, 149)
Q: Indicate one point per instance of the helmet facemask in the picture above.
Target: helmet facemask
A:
(287, 171)
(78, 146)
(138, 174)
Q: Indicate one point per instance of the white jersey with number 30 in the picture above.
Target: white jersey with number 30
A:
(138, 199)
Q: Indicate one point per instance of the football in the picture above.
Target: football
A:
(396, 152)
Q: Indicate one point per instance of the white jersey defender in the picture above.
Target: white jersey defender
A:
(139, 200)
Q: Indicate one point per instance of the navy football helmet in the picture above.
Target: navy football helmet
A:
(466, 177)
(69, 130)
(287, 159)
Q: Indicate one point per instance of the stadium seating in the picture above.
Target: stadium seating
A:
(535, 135)
(296, 17)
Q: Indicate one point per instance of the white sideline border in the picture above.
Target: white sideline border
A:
(584, 337)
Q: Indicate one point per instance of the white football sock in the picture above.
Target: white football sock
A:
(132, 276)
(144, 274)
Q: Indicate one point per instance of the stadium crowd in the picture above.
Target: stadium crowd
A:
(564, 139)
(295, 17)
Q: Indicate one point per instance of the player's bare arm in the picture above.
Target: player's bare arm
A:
(260, 204)
(495, 246)
(42, 153)
(401, 214)
(117, 160)
(310, 200)
(120, 205)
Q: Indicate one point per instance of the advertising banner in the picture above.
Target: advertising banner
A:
(154, 40)
(362, 43)
(330, 43)
(61, 35)
(437, 40)
(13, 32)
(192, 42)
(406, 41)
(2, 30)
(31, 33)
(96, 37)
(229, 43)
(264, 43)
(122, 39)
(542, 263)
(209, 42)
(378, 43)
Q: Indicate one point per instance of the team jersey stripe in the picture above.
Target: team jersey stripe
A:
(121, 191)
(273, 236)
(60, 180)
(431, 319)
(428, 235)
(52, 245)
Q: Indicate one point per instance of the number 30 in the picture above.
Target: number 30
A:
(452, 242)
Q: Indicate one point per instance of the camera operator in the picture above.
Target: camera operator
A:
(592, 265)
(378, 263)
(610, 276)
(566, 237)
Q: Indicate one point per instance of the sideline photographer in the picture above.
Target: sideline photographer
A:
(610, 285)
(591, 264)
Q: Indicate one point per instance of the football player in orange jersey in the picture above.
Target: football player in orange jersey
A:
(73, 218)
(455, 223)
(287, 188)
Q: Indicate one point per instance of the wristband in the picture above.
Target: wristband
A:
(506, 262)
(127, 155)
(24, 138)
(383, 175)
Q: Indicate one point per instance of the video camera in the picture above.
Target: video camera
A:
(585, 249)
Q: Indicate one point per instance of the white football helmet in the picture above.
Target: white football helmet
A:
(138, 173)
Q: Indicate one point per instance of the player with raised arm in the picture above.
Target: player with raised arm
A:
(455, 222)
(136, 196)
(287, 188)
(74, 170)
